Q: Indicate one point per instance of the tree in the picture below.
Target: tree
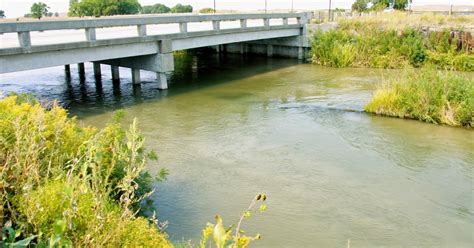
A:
(103, 7)
(359, 6)
(2, 14)
(127, 7)
(39, 10)
(156, 9)
(400, 4)
(179, 8)
(379, 5)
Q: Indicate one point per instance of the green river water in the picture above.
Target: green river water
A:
(230, 127)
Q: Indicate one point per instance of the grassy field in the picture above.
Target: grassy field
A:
(400, 20)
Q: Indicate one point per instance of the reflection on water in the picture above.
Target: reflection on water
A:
(230, 127)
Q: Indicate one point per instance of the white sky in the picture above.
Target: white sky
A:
(16, 8)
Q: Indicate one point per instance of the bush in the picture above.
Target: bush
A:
(206, 11)
(179, 8)
(62, 185)
(156, 9)
(440, 97)
(359, 45)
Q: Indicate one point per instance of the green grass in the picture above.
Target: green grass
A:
(441, 97)
(354, 44)
(63, 185)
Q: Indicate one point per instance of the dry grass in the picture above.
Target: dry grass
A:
(399, 20)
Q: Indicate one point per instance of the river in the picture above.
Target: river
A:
(230, 127)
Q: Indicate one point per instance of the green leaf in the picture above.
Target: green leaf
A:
(219, 234)
(22, 243)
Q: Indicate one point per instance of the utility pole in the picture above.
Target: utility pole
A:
(214, 6)
(265, 6)
(292, 6)
(329, 11)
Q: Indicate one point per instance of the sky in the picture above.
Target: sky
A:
(17, 8)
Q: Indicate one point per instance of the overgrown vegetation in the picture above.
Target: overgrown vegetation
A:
(360, 43)
(63, 185)
(228, 237)
(441, 97)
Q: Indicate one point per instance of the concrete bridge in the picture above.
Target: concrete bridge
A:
(282, 34)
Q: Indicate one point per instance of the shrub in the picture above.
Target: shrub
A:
(206, 11)
(440, 97)
(359, 45)
(63, 184)
(155, 9)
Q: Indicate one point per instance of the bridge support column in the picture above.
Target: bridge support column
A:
(67, 69)
(269, 50)
(162, 81)
(242, 48)
(136, 76)
(67, 72)
(115, 73)
(81, 69)
(97, 70)
(300, 53)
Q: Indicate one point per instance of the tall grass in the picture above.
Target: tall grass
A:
(381, 43)
(63, 185)
(398, 20)
(441, 97)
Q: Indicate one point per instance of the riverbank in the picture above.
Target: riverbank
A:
(232, 126)
(64, 185)
(440, 97)
(359, 44)
(439, 45)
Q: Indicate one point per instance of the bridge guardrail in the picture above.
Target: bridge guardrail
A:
(23, 29)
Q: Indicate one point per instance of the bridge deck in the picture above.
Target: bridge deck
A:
(28, 55)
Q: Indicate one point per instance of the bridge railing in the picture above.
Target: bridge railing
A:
(23, 29)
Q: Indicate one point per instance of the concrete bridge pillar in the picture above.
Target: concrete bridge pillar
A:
(81, 69)
(25, 40)
(67, 72)
(115, 73)
(97, 70)
(162, 81)
(300, 53)
(269, 50)
(136, 76)
(243, 48)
